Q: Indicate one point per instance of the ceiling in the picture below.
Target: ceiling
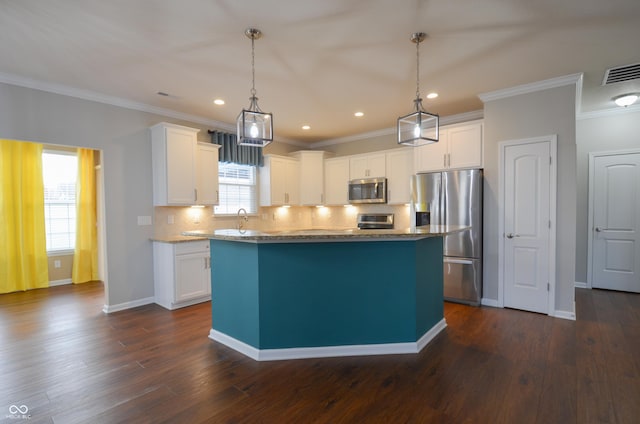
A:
(318, 62)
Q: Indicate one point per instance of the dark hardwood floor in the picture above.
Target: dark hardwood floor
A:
(66, 361)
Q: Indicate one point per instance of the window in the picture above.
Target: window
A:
(59, 170)
(237, 188)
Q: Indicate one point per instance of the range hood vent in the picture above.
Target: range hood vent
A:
(621, 74)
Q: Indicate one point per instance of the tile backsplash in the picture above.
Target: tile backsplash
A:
(171, 221)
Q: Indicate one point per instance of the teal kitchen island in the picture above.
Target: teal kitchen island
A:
(319, 293)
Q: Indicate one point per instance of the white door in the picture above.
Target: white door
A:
(615, 233)
(527, 208)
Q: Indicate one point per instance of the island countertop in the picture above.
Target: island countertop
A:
(317, 235)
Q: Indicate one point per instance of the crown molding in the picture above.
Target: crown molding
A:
(93, 96)
(445, 120)
(535, 86)
(603, 113)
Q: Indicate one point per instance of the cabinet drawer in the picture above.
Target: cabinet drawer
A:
(192, 247)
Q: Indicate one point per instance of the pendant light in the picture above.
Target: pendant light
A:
(419, 127)
(255, 127)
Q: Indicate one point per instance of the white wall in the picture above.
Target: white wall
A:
(541, 113)
(123, 136)
(609, 133)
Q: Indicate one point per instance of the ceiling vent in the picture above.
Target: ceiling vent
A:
(621, 74)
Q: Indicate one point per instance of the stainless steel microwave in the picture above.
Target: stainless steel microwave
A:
(368, 190)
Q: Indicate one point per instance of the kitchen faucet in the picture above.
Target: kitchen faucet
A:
(242, 219)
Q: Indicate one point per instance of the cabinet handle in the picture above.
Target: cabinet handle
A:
(217, 196)
(444, 160)
(195, 193)
(449, 159)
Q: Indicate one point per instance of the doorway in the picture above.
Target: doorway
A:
(614, 221)
(527, 205)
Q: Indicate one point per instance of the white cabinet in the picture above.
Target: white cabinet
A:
(184, 173)
(460, 146)
(399, 170)
(311, 162)
(279, 181)
(207, 188)
(336, 181)
(367, 166)
(181, 273)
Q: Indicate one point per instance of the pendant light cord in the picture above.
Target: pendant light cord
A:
(417, 69)
(253, 67)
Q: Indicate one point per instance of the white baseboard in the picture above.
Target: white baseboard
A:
(107, 309)
(489, 302)
(580, 285)
(63, 282)
(570, 315)
(327, 351)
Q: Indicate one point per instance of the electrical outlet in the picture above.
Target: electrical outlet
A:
(56, 263)
(171, 219)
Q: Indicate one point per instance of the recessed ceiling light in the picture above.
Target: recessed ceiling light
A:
(432, 95)
(219, 102)
(625, 100)
(306, 127)
(358, 114)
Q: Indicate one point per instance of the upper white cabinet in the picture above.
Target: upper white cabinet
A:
(207, 188)
(372, 165)
(460, 146)
(279, 181)
(336, 180)
(184, 173)
(399, 170)
(312, 190)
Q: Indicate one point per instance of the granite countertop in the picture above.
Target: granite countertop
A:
(311, 235)
(178, 239)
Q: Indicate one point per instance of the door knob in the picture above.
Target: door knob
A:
(598, 229)
(510, 236)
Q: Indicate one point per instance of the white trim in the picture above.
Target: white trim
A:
(445, 120)
(570, 315)
(580, 285)
(107, 309)
(553, 183)
(327, 351)
(533, 87)
(93, 96)
(62, 282)
(603, 113)
(490, 302)
(590, 200)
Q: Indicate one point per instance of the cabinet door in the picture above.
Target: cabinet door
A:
(278, 181)
(399, 169)
(336, 180)
(465, 146)
(207, 169)
(191, 276)
(432, 157)
(377, 165)
(292, 182)
(358, 167)
(311, 178)
(181, 177)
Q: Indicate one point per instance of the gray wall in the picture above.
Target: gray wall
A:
(123, 136)
(536, 114)
(618, 132)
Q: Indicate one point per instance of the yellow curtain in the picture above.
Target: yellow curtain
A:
(23, 244)
(85, 256)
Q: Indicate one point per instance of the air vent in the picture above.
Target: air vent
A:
(621, 74)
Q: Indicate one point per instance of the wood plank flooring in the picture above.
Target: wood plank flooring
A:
(69, 363)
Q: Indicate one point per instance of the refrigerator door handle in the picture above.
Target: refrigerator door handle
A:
(458, 261)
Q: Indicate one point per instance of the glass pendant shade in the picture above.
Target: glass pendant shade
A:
(254, 127)
(418, 128)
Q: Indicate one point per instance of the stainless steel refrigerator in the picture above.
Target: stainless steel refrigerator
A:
(454, 198)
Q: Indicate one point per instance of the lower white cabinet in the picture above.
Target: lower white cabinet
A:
(181, 273)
